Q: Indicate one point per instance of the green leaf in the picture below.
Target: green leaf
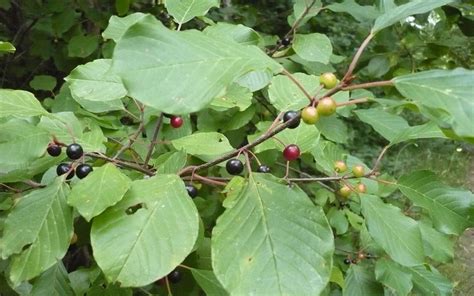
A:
(313, 47)
(437, 245)
(7, 47)
(203, 144)
(337, 276)
(451, 209)
(401, 12)
(147, 234)
(235, 96)
(208, 282)
(41, 239)
(359, 12)
(326, 154)
(43, 82)
(170, 163)
(122, 6)
(210, 120)
(19, 103)
(103, 187)
(179, 60)
(334, 129)
(19, 149)
(429, 281)
(378, 66)
(395, 128)
(82, 46)
(393, 276)
(285, 95)
(119, 25)
(185, 10)
(396, 233)
(255, 80)
(338, 220)
(94, 82)
(53, 281)
(238, 33)
(360, 281)
(260, 247)
(308, 8)
(445, 90)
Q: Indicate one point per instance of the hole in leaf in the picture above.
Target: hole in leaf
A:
(131, 210)
(26, 247)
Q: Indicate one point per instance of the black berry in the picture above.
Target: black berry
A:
(192, 191)
(289, 116)
(83, 170)
(175, 276)
(74, 151)
(63, 168)
(263, 169)
(234, 166)
(54, 150)
(126, 120)
(286, 41)
(347, 261)
(354, 261)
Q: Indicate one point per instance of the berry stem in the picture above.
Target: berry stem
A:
(120, 163)
(156, 132)
(369, 85)
(378, 160)
(168, 288)
(353, 102)
(298, 84)
(133, 138)
(355, 60)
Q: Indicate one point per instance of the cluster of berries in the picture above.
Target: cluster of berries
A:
(74, 152)
(358, 171)
(360, 256)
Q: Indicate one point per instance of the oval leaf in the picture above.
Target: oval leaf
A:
(102, 188)
(396, 233)
(19, 103)
(313, 47)
(147, 234)
(261, 247)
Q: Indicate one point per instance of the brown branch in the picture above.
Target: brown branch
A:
(368, 85)
(352, 102)
(233, 153)
(210, 181)
(359, 52)
(379, 159)
(298, 84)
(134, 137)
(151, 148)
(121, 163)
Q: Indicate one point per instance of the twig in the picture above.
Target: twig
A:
(134, 137)
(368, 85)
(352, 102)
(298, 84)
(379, 159)
(233, 153)
(156, 132)
(210, 181)
(121, 163)
(359, 52)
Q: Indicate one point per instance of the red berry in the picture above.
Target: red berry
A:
(291, 152)
(176, 121)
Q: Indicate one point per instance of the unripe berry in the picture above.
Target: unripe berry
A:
(361, 188)
(329, 80)
(310, 115)
(340, 166)
(345, 191)
(358, 171)
(326, 106)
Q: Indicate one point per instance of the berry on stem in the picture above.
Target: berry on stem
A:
(263, 169)
(310, 115)
(291, 152)
(289, 115)
(83, 170)
(54, 150)
(361, 188)
(347, 261)
(74, 151)
(340, 166)
(234, 166)
(176, 121)
(328, 80)
(63, 168)
(285, 41)
(358, 171)
(345, 191)
(326, 106)
(192, 190)
(175, 276)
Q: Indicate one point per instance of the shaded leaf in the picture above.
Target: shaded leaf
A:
(53, 281)
(360, 281)
(428, 280)
(393, 276)
(208, 282)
